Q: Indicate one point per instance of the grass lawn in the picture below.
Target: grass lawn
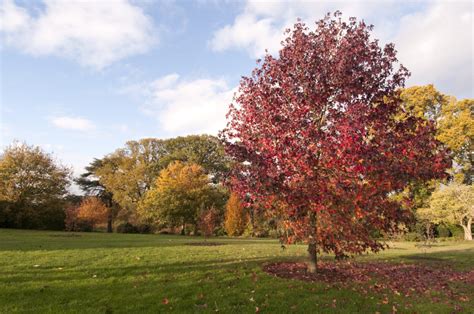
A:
(55, 272)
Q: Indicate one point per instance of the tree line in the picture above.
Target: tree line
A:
(150, 185)
(178, 185)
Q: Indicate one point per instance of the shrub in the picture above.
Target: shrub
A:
(208, 221)
(443, 231)
(413, 237)
(456, 231)
(127, 227)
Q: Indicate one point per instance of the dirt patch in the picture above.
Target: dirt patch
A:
(204, 243)
(440, 283)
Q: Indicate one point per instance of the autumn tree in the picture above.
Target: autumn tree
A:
(91, 186)
(32, 188)
(453, 119)
(204, 150)
(208, 220)
(93, 210)
(236, 217)
(130, 172)
(456, 130)
(317, 125)
(452, 204)
(180, 192)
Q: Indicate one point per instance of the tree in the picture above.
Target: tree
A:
(33, 186)
(180, 192)
(236, 217)
(208, 220)
(453, 119)
(90, 184)
(456, 130)
(319, 126)
(93, 210)
(204, 150)
(452, 204)
(130, 172)
(424, 102)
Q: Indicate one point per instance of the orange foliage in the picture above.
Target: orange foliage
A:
(235, 216)
(93, 210)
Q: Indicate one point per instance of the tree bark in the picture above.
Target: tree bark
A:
(312, 243)
(467, 230)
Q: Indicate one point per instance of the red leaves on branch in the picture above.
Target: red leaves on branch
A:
(319, 128)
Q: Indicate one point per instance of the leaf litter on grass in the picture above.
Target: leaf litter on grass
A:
(407, 280)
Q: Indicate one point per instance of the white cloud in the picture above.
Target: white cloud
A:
(188, 106)
(93, 33)
(434, 39)
(436, 45)
(261, 24)
(73, 123)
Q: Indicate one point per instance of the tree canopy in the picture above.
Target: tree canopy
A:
(452, 204)
(319, 127)
(131, 171)
(32, 188)
(180, 193)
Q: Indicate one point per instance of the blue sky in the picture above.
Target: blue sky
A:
(80, 77)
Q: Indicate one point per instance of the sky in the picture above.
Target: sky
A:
(81, 77)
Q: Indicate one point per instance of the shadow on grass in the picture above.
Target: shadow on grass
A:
(461, 259)
(51, 273)
(30, 240)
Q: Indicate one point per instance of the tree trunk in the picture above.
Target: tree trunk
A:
(109, 223)
(312, 243)
(467, 230)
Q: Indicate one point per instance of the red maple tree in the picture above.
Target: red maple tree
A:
(320, 127)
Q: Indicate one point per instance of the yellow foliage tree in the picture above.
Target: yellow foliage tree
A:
(236, 217)
(452, 204)
(454, 121)
(180, 192)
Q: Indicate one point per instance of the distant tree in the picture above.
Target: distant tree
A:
(456, 130)
(236, 217)
(452, 204)
(33, 186)
(90, 184)
(208, 220)
(93, 210)
(319, 126)
(130, 172)
(181, 191)
(453, 119)
(424, 102)
(204, 150)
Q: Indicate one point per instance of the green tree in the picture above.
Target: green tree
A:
(32, 188)
(180, 193)
(204, 150)
(452, 204)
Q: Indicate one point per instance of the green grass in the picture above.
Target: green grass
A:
(55, 272)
